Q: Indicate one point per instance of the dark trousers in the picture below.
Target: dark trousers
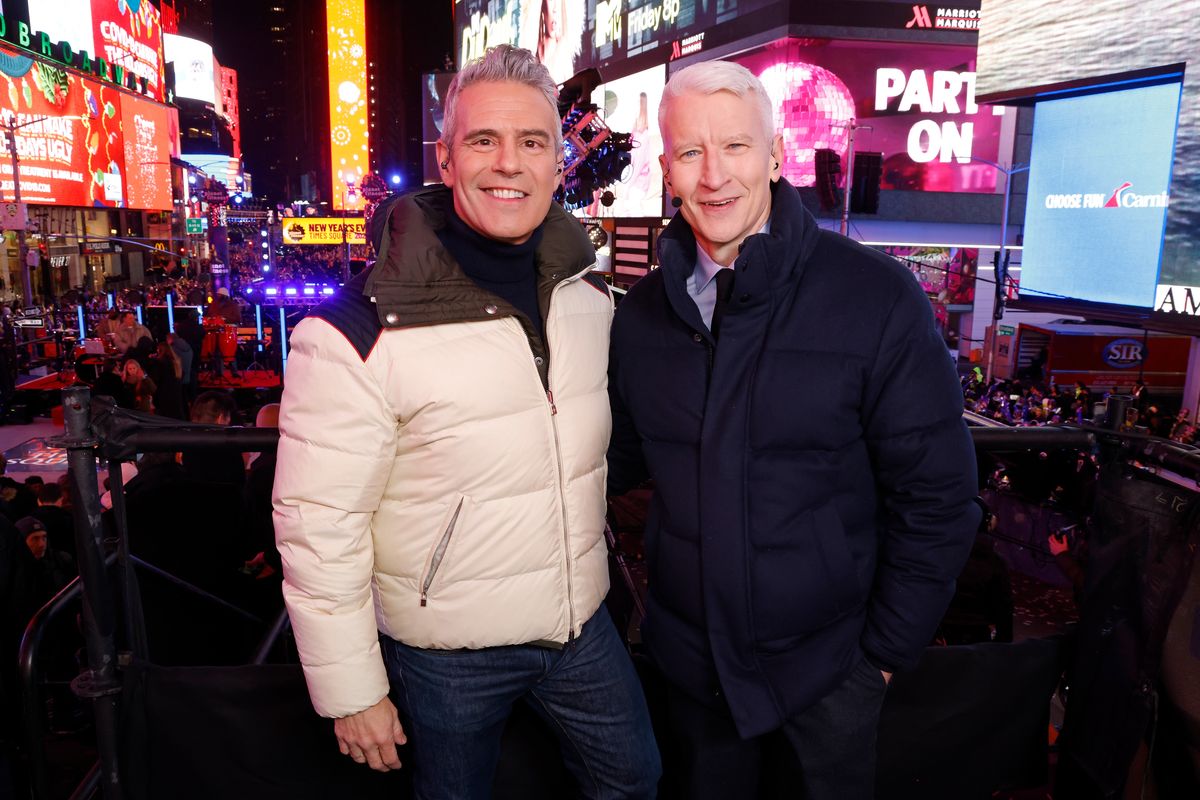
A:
(833, 743)
(454, 704)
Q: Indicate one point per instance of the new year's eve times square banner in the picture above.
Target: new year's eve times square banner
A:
(324, 230)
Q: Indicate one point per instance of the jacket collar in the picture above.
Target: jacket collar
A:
(417, 282)
(765, 262)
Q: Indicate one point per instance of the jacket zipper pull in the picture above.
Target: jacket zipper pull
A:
(424, 598)
(553, 408)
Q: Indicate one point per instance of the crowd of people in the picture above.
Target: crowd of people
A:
(310, 263)
(1025, 402)
(227, 496)
(37, 559)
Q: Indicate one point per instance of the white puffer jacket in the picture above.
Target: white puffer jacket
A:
(428, 485)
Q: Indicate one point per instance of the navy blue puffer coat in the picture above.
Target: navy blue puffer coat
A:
(814, 476)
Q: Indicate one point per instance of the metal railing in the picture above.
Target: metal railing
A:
(117, 436)
(106, 577)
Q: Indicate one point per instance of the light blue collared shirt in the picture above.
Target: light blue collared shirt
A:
(702, 284)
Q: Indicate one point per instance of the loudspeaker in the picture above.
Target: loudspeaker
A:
(828, 168)
(864, 196)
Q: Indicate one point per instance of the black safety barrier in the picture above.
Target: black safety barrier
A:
(967, 721)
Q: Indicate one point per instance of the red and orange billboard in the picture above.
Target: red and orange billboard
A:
(69, 143)
(71, 139)
(348, 142)
(146, 128)
(125, 33)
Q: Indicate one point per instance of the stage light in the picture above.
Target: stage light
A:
(264, 245)
(192, 179)
(266, 268)
(237, 198)
(263, 234)
(272, 291)
(327, 290)
(309, 291)
(249, 290)
(290, 291)
(396, 180)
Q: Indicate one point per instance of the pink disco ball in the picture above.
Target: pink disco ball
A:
(813, 110)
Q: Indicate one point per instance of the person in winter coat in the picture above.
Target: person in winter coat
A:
(786, 390)
(441, 462)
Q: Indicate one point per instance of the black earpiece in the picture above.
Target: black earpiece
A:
(776, 165)
(559, 172)
(676, 202)
(445, 164)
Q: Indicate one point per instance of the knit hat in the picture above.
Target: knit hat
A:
(28, 525)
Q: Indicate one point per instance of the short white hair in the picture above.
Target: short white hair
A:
(710, 77)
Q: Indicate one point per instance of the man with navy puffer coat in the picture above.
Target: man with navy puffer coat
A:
(814, 478)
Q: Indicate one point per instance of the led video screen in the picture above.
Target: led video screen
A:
(222, 168)
(194, 75)
(915, 104)
(551, 29)
(75, 155)
(125, 33)
(630, 105)
(569, 36)
(146, 130)
(1028, 47)
(1099, 188)
(433, 90)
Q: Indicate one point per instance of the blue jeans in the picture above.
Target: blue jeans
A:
(454, 704)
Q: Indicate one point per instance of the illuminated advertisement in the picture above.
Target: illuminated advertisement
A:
(146, 128)
(569, 36)
(1028, 47)
(75, 154)
(913, 103)
(947, 274)
(1099, 188)
(193, 59)
(433, 89)
(630, 105)
(125, 33)
(552, 29)
(225, 169)
(348, 142)
(324, 230)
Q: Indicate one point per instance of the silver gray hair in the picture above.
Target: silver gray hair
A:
(501, 63)
(709, 77)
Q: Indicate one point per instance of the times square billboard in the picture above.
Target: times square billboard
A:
(82, 142)
(914, 102)
(1137, 213)
(125, 33)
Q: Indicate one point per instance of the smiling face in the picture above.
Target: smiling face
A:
(502, 166)
(720, 163)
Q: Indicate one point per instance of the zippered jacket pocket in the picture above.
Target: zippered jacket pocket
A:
(439, 551)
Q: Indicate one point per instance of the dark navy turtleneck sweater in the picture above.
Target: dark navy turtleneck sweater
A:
(506, 270)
